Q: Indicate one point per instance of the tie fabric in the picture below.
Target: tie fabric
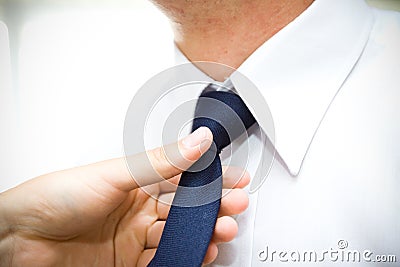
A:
(194, 211)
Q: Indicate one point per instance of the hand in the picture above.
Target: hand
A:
(97, 215)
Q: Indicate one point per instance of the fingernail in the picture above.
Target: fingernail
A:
(195, 138)
(205, 145)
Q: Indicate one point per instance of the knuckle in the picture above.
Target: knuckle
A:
(162, 164)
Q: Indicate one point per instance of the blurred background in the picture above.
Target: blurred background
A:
(68, 71)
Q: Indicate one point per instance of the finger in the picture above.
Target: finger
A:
(164, 205)
(170, 160)
(233, 202)
(169, 185)
(154, 234)
(146, 257)
(235, 177)
(152, 166)
(211, 254)
(225, 229)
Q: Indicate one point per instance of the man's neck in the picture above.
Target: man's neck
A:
(228, 31)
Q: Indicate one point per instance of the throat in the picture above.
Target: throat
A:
(230, 34)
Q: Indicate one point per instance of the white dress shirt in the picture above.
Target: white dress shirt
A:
(331, 80)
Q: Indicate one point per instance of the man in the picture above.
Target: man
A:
(329, 73)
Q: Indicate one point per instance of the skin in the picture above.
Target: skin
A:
(218, 31)
(97, 215)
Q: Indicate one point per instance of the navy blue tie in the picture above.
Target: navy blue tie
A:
(194, 211)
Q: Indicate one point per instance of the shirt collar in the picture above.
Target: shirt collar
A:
(301, 68)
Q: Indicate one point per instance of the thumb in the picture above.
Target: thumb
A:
(155, 165)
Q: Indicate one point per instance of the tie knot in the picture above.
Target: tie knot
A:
(225, 114)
